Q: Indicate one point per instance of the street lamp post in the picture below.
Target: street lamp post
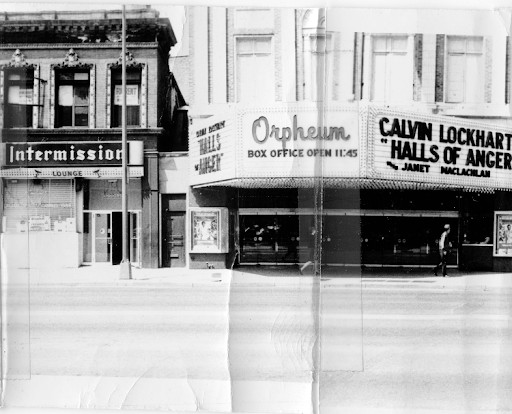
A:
(126, 269)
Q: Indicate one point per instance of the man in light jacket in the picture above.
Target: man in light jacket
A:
(444, 246)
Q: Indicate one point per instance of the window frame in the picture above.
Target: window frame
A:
(408, 52)
(7, 83)
(447, 53)
(271, 54)
(74, 83)
(114, 83)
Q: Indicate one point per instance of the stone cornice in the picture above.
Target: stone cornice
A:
(28, 46)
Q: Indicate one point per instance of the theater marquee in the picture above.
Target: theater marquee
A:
(279, 142)
(212, 149)
(454, 151)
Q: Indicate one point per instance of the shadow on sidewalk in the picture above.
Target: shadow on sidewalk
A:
(362, 271)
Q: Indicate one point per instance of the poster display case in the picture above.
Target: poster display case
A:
(502, 240)
(209, 228)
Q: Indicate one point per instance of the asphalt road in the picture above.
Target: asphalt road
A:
(382, 346)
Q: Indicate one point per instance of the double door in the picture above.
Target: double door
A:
(274, 239)
(103, 235)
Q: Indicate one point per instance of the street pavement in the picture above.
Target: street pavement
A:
(107, 274)
(262, 340)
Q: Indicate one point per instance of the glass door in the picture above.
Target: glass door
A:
(102, 238)
(258, 241)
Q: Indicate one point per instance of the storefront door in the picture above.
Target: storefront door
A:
(174, 239)
(103, 237)
(272, 239)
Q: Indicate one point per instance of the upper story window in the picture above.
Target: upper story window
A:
(72, 98)
(19, 97)
(465, 69)
(392, 68)
(318, 66)
(72, 93)
(254, 69)
(133, 97)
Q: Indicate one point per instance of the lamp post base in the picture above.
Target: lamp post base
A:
(125, 272)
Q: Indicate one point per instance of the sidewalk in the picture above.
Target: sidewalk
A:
(249, 275)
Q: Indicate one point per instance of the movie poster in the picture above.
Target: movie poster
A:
(503, 233)
(205, 230)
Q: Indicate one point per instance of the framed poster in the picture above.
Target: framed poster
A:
(208, 227)
(502, 240)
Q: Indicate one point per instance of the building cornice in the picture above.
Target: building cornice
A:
(28, 46)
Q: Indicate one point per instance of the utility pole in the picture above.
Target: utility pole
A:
(126, 268)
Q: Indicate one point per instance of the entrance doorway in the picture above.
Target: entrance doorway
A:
(103, 234)
(349, 237)
(173, 234)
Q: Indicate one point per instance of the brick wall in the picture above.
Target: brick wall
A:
(428, 63)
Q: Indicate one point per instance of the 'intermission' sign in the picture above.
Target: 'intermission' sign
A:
(45, 154)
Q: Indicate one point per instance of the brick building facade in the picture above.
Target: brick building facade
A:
(60, 124)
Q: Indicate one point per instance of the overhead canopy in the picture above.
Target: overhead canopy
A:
(348, 146)
(362, 183)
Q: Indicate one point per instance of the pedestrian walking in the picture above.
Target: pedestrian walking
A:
(311, 249)
(444, 248)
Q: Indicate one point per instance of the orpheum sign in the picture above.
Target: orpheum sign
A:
(299, 141)
(57, 154)
(275, 142)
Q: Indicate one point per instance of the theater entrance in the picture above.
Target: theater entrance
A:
(349, 237)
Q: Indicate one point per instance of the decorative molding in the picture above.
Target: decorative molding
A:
(72, 60)
(92, 97)
(108, 100)
(18, 60)
(2, 97)
(52, 97)
(130, 61)
(144, 97)
(36, 107)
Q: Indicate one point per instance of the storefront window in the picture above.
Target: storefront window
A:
(39, 205)
(477, 218)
